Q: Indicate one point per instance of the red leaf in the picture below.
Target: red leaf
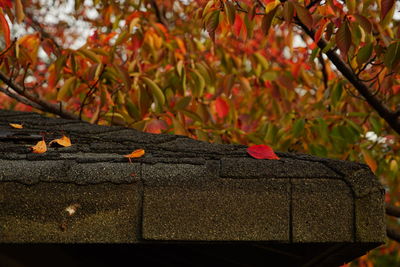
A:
(5, 3)
(237, 26)
(222, 107)
(322, 25)
(261, 152)
(343, 38)
(386, 5)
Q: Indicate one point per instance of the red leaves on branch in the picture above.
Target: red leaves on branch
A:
(261, 152)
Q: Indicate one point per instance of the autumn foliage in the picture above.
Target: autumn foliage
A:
(319, 77)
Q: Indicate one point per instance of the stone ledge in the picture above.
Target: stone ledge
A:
(300, 209)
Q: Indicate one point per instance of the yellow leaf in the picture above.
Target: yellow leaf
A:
(19, 10)
(40, 147)
(271, 5)
(67, 88)
(135, 154)
(63, 141)
(16, 125)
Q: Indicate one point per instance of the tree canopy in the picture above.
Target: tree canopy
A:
(319, 77)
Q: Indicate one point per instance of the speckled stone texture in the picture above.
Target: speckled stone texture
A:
(299, 210)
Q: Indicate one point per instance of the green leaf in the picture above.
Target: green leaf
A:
(183, 103)
(318, 150)
(115, 118)
(322, 129)
(376, 125)
(364, 53)
(212, 23)
(230, 11)
(298, 127)
(262, 60)
(179, 67)
(343, 38)
(89, 54)
(351, 6)
(158, 94)
(364, 22)
(337, 93)
(267, 20)
(199, 83)
(392, 55)
(67, 88)
(288, 11)
(192, 115)
(132, 109)
(304, 15)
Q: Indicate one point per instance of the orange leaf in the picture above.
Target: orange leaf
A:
(322, 25)
(40, 147)
(135, 154)
(369, 160)
(63, 141)
(19, 10)
(16, 125)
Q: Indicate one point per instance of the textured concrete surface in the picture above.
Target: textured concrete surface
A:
(299, 210)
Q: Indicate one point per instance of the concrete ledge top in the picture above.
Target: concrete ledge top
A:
(181, 190)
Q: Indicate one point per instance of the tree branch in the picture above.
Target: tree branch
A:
(393, 233)
(159, 15)
(43, 104)
(389, 116)
(19, 98)
(392, 210)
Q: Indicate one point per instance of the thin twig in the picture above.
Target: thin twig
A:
(393, 233)
(20, 98)
(392, 210)
(44, 105)
(92, 89)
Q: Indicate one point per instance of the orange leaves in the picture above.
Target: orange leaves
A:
(39, 148)
(63, 141)
(27, 48)
(135, 154)
(261, 152)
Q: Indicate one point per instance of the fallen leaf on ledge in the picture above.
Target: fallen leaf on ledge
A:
(40, 147)
(135, 154)
(16, 125)
(262, 152)
(63, 141)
